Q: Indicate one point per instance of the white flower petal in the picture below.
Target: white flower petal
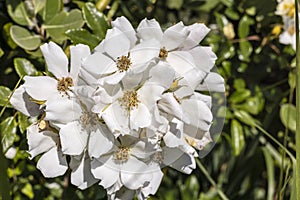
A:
(112, 79)
(56, 59)
(179, 160)
(40, 87)
(194, 77)
(162, 74)
(100, 136)
(116, 43)
(181, 61)
(174, 36)
(81, 175)
(153, 186)
(52, 163)
(149, 94)
(99, 64)
(106, 170)
(197, 32)
(63, 111)
(78, 53)
(125, 26)
(21, 102)
(198, 113)
(171, 106)
(149, 29)
(40, 142)
(204, 58)
(133, 174)
(116, 119)
(213, 82)
(73, 138)
(173, 139)
(140, 117)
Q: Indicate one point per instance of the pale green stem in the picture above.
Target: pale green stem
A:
(277, 142)
(297, 135)
(211, 180)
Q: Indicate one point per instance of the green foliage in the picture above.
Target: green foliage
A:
(258, 71)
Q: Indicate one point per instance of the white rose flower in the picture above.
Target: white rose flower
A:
(45, 88)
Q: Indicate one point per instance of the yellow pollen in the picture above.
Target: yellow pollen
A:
(122, 154)
(290, 7)
(64, 84)
(276, 30)
(124, 62)
(163, 53)
(129, 100)
(88, 119)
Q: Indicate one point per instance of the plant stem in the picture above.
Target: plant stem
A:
(297, 135)
(277, 142)
(211, 180)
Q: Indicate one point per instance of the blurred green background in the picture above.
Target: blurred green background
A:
(253, 158)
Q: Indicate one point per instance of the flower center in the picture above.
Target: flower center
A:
(163, 53)
(124, 62)
(122, 154)
(64, 84)
(158, 157)
(129, 100)
(88, 119)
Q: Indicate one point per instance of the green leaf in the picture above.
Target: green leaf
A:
(244, 26)
(245, 51)
(83, 36)
(24, 38)
(237, 137)
(62, 22)
(8, 129)
(95, 20)
(190, 189)
(39, 5)
(4, 94)
(270, 173)
(51, 8)
(244, 117)
(24, 67)
(174, 4)
(232, 14)
(17, 11)
(28, 191)
(7, 36)
(1, 52)
(288, 116)
(292, 79)
(23, 122)
(252, 105)
(239, 96)
(239, 84)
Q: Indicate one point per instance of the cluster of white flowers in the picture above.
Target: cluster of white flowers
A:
(286, 9)
(119, 114)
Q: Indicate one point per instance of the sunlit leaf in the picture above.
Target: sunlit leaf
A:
(24, 67)
(8, 128)
(237, 137)
(24, 38)
(51, 8)
(95, 20)
(4, 94)
(288, 116)
(83, 36)
(16, 10)
(62, 22)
